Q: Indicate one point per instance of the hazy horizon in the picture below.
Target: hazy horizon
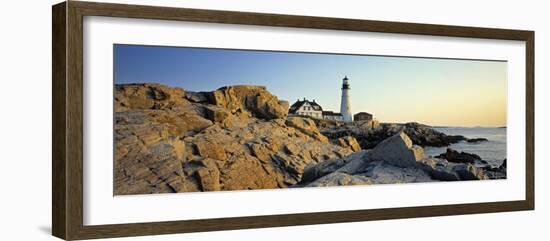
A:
(437, 92)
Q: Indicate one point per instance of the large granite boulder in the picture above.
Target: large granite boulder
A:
(397, 150)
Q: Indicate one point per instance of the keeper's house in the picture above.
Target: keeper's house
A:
(306, 107)
(311, 108)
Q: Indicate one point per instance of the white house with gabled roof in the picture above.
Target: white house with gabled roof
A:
(307, 108)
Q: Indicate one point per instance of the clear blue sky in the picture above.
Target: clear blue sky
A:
(394, 89)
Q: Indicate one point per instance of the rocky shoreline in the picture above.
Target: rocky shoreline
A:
(395, 160)
(240, 137)
(370, 133)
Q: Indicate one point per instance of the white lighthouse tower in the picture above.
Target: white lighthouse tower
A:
(345, 106)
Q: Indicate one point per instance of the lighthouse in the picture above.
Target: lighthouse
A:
(345, 106)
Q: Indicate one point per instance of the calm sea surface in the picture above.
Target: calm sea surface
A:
(493, 151)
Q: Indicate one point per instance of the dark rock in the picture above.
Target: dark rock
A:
(369, 136)
(460, 157)
(496, 173)
(425, 136)
(475, 140)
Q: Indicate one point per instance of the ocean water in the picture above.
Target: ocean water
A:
(492, 151)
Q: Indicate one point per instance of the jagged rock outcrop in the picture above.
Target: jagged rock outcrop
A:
(255, 99)
(147, 96)
(234, 138)
(370, 133)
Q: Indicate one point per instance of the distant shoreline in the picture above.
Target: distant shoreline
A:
(438, 126)
(496, 127)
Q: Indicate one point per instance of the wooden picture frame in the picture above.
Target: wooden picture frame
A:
(67, 152)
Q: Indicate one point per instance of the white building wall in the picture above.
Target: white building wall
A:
(308, 110)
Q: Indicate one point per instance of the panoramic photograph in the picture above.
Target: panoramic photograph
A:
(190, 119)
